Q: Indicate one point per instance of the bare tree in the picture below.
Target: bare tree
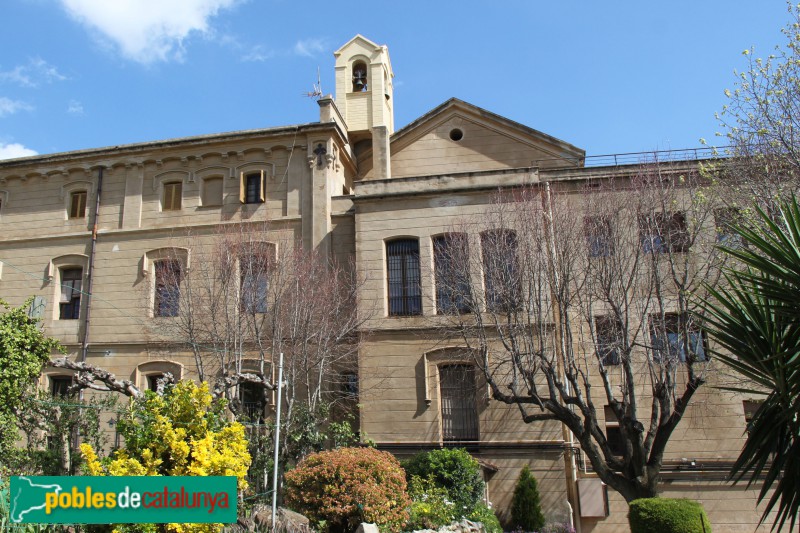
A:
(761, 121)
(248, 298)
(575, 304)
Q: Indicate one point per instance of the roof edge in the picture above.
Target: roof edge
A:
(456, 102)
(177, 141)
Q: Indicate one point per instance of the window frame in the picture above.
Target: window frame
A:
(258, 196)
(724, 220)
(453, 285)
(673, 324)
(255, 281)
(59, 383)
(72, 306)
(614, 435)
(151, 379)
(167, 289)
(469, 431)
(664, 232)
(409, 300)
(254, 410)
(77, 210)
(608, 339)
(599, 241)
(507, 281)
(171, 196)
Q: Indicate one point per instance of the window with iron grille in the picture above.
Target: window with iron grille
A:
(402, 262)
(168, 292)
(254, 188)
(171, 200)
(501, 270)
(676, 337)
(77, 204)
(451, 272)
(598, 236)
(69, 306)
(458, 403)
(664, 232)
(608, 336)
(254, 282)
(251, 395)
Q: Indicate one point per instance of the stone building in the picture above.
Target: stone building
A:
(349, 185)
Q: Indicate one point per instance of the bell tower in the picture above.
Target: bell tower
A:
(364, 97)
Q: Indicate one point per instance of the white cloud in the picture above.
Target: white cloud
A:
(12, 150)
(309, 47)
(9, 107)
(75, 108)
(147, 30)
(258, 53)
(37, 71)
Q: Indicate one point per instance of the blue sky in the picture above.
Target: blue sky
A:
(607, 76)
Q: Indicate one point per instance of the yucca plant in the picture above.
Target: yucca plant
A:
(755, 320)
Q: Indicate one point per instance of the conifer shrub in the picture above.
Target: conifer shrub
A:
(454, 470)
(667, 515)
(526, 507)
(339, 489)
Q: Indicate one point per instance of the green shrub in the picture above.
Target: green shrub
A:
(526, 509)
(486, 516)
(454, 470)
(667, 515)
(430, 506)
(341, 488)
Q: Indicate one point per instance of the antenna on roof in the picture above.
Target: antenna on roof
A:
(317, 92)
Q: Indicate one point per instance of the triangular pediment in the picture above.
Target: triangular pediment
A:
(358, 43)
(460, 137)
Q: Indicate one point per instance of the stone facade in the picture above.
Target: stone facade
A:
(344, 186)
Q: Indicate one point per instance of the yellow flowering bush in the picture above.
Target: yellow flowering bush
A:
(182, 433)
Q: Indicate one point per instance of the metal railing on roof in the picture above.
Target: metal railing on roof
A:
(637, 158)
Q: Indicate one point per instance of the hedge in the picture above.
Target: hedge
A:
(667, 515)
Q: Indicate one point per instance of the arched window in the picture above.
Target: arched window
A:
(451, 271)
(147, 374)
(360, 77)
(403, 278)
(501, 273)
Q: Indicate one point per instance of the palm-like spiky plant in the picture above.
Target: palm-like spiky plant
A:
(755, 320)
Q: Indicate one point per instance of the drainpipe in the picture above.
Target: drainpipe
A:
(566, 433)
(90, 275)
(87, 314)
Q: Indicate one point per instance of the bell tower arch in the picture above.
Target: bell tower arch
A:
(364, 92)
